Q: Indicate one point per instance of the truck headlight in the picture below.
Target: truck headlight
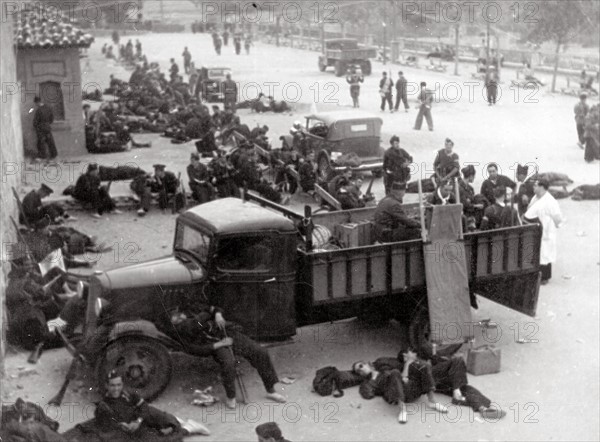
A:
(98, 306)
(335, 155)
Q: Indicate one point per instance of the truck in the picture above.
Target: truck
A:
(263, 268)
(345, 52)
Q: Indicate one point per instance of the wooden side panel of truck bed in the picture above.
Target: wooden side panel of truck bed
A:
(503, 266)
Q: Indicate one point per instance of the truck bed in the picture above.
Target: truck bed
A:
(351, 54)
(503, 266)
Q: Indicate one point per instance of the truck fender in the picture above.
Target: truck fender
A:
(144, 328)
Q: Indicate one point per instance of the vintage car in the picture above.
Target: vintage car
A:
(261, 264)
(344, 52)
(334, 136)
(210, 83)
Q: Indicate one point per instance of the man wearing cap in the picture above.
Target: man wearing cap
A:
(163, 182)
(308, 174)
(202, 191)
(270, 432)
(491, 85)
(391, 223)
(34, 210)
(229, 89)
(385, 91)
(401, 86)
(544, 209)
(445, 165)
(493, 181)
(499, 214)
(581, 110)
(426, 100)
(395, 164)
(88, 189)
(444, 194)
(43, 118)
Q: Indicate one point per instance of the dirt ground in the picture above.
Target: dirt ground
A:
(549, 388)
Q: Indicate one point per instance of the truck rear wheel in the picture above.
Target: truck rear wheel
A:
(340, 68)
(322, 65)
(419, 335)
(366, 67)
(144, 363)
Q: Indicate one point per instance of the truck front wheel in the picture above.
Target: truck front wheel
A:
(366, 67)
(322, 65)
(340, 68)
(419, 335)
(144, 363)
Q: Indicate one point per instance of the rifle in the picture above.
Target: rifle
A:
(71, 374)
(368, 193)
(238, 374)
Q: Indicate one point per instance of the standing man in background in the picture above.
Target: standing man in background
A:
(385, 90)
(42, 121)
(354, 80)
(401, 92)
(426, 100)
(187, 59)
(581, 110)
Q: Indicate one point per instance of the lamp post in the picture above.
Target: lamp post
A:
(384, 41)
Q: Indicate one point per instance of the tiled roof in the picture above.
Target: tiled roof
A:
(34, 30)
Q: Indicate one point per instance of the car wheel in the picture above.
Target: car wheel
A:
(144, 363)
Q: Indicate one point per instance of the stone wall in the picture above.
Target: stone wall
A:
(36, 66)
(11, 159)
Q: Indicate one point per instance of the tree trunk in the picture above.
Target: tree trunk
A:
(556, 60)
(456, 46)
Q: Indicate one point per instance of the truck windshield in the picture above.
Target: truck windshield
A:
(193, 241)
(245, 254)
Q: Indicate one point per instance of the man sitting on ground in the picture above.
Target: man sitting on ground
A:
(88, 189)
(34, 210)
(163, 182)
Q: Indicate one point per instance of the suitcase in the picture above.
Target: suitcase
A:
(483, 360)
(347, 235)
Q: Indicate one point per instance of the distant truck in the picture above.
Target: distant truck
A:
(345, 52)
(210, 81)
(257, 261)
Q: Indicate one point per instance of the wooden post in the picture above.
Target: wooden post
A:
(457, 196)
(456, 48)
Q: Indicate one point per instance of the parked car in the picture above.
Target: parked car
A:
(209, 83)
(334, 136)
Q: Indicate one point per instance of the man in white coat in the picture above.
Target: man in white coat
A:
(544, 209)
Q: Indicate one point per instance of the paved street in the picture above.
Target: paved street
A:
(549, 388)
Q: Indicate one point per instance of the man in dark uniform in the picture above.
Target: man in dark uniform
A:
(491, 85)
(237, 41)
(391, 223)
(163, 182)
(385, 91)
(229, 89)
(187, 59)
(223, 172)
(494, 181)
(499, 214)
(401, 93)
(174, 70)
(126, 415)
(42, 121)
(395, 164)
(205, 333)
(524, 189)
(269, 432)
(34, 210)
(308, 175)
(88, 189)
(202, 191)
(446, 165)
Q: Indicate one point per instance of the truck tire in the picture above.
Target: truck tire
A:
(322, 65)
(366, 67)
(340, 68)
(419, 334)
(144, 363)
